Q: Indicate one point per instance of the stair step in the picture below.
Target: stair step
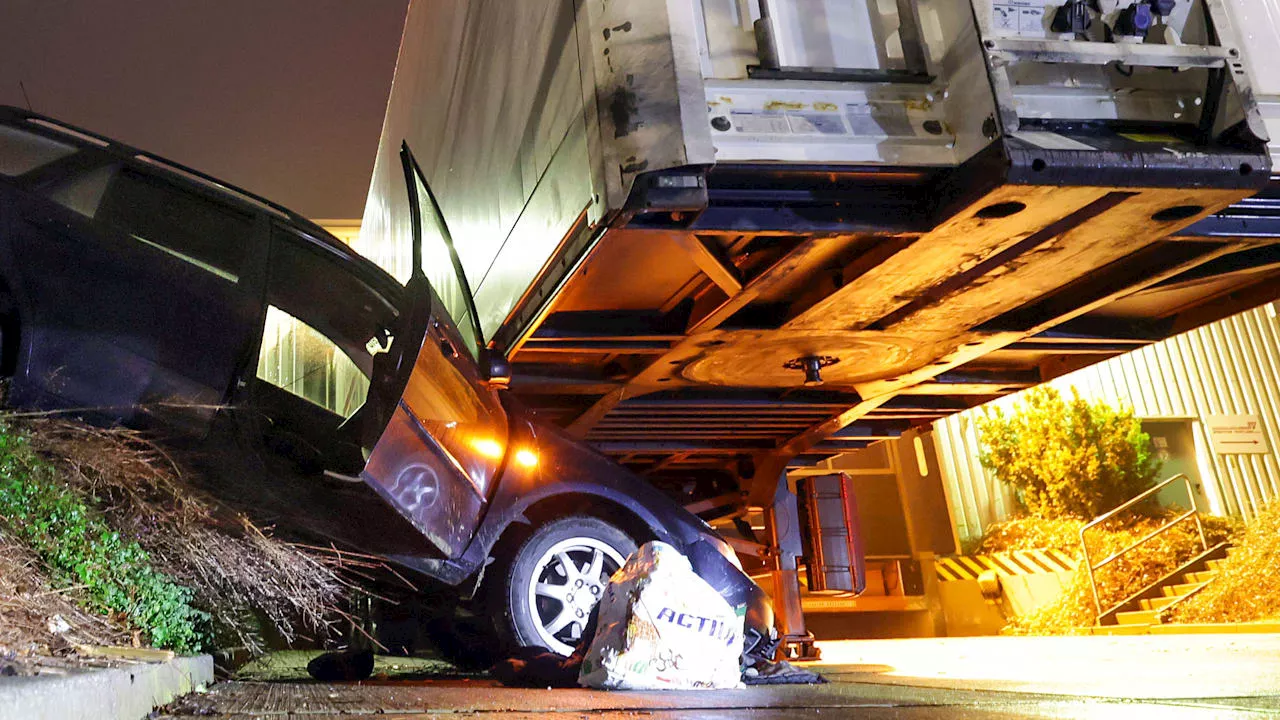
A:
(1159, 603)
(1181, 590)
(1214, 565)
(1139, 617)
(1134, 617)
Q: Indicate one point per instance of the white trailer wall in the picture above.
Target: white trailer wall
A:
(1231, 367)
(487, 93)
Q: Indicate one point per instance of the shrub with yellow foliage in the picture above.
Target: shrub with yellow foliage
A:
(1068, 457)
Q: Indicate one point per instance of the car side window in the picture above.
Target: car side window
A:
(82, 193)
(299, 359)
(156, 213)
(22, 151)
(323, 324)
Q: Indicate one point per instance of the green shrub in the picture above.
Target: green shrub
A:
(1068, 458)
(114, 575)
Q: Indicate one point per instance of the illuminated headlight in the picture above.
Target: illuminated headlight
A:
(526, 458)
(487, 447)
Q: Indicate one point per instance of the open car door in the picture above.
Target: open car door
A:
(445, 437)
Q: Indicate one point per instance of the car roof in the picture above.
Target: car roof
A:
(240, 197)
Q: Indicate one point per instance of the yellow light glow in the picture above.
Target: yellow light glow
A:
(487, 447)
(527, 458)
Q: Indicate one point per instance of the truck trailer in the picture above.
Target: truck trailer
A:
(719, 239)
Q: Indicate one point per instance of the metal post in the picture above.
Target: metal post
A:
(766, 42)
(1088, 563)
(914, 51)
(782, 519)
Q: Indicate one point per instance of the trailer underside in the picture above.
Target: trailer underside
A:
(677, 343)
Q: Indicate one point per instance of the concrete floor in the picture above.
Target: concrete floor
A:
(1156, 667)
(1132, 678)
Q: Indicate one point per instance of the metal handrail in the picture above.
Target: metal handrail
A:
(1084, 547)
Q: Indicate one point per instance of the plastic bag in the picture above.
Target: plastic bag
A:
(663, 627)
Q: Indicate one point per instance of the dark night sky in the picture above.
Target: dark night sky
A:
(282, 97)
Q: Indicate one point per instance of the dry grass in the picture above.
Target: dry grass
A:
(1074, 610)
(1247, 588)
(38, 620)
(1032, 533)
(236, 570)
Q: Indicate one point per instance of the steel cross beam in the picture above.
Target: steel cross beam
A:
(746, 292)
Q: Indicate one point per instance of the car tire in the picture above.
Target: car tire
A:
(545, 603)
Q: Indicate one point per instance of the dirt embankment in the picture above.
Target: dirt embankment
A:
(249, 584)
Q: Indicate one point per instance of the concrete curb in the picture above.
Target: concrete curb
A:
(127, 693)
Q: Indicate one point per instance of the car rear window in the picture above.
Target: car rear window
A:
(22, 151)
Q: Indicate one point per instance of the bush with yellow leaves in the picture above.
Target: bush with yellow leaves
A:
(1068, 457)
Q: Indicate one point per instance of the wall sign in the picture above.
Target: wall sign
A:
(1233, 434)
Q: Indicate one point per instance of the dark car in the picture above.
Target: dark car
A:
(319, 394)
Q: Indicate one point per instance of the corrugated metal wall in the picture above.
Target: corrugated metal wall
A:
(1230, 367)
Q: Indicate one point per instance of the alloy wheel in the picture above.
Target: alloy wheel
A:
(568, 580)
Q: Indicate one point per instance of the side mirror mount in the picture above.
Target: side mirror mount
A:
(495, 368)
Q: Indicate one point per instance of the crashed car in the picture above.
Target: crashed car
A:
(318, 393)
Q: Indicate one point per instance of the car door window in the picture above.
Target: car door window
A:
(438, 265)
(206, 234)
(323, 325)
(82, 193)
(299, 359)
(22, 151)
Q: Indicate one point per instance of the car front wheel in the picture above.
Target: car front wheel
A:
(556, 578)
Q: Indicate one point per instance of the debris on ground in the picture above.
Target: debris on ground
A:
(1074, 610)
(782, 672)
(1247, 586)
(661, 626)
(533, 667)
(342, 666)
(289, 666)
(39, 620)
